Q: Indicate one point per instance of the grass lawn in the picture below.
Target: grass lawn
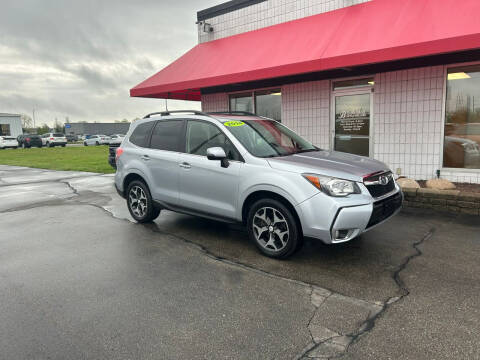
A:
(78, 158)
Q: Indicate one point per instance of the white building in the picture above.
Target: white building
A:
(395, 80)
(10, 125)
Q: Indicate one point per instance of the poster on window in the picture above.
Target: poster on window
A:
(352, 115)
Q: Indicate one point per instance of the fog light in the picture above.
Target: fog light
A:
(341, 234)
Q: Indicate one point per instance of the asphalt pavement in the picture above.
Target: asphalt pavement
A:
(80, 280)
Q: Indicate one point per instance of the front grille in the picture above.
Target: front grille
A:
(375, 189)
(385, 208)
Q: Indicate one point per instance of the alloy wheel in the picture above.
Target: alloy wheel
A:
(137, 200)
(270, 229)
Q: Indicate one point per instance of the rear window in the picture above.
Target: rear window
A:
(58, 135)
(141, 134)
(8, 138)
(167, 135)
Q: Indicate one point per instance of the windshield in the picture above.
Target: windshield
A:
(268, 138)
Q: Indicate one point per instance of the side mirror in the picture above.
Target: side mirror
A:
(217, 153)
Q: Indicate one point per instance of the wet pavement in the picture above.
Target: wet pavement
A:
(79, 279)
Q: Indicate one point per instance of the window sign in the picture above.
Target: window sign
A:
(461, 147)
(352, 123)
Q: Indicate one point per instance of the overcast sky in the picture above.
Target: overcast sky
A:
(79, 58)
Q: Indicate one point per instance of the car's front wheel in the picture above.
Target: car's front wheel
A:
(273, 228)
(140, 204)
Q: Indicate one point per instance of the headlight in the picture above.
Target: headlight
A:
(332, 186)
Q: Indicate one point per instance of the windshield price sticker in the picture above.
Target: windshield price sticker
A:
(234, 123)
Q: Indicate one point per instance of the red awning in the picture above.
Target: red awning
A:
(373, 32)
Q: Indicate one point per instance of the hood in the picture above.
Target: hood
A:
(329, 163)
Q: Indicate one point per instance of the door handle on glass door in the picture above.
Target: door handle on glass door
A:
(185, 165)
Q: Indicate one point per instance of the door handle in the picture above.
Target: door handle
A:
(145, 157)
(185, 165)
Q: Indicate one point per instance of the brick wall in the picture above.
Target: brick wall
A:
(306, 109)
(408, 120)
(215, 102)
(268, 13)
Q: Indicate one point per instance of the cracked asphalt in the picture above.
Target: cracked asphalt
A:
(79, 279)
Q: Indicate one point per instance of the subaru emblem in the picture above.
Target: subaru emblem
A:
(383, 180)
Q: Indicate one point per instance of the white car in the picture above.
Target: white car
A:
(116, 139)
(54, 139)
(97, 140)
(8, 142)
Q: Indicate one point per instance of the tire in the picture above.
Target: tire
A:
(138, 193)
(85, 143)
(97, 143)
(40, 146)
(63, 145)
(278, 239)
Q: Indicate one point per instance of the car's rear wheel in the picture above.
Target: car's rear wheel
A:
(63, 145)
(140, 204)
(97, 143)
(85, 143)
(273, 228)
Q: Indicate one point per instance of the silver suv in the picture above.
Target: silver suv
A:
(238, 167)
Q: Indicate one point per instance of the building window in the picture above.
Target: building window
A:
(269, 104)
(462, 118)
(5, 130)
(266, 103)
(241, 102)
(353, 83)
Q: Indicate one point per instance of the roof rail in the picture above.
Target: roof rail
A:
(232, 113)
(166, 113)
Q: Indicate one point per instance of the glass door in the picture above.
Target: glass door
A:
(352, 117)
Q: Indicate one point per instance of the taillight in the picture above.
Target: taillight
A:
(118, 152)
(52, 138)
(28, 139)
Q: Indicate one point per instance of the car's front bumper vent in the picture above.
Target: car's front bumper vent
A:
(385, 208)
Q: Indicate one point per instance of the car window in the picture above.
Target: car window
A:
(268, 138)
(202, 135)
(167, 135)
(58, 135)
(141, 134)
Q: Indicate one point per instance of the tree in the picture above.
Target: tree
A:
(43, 129)
(27, 121)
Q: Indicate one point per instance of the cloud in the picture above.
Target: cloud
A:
(80, 58)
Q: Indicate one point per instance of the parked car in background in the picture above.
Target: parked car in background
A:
(97, 140)
(71, 137)
(8, 142)
(255, 171)
(116, 139)
(84, 137)
(28, 140)
(54, 139)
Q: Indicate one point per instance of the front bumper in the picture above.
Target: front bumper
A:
(337, 220)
